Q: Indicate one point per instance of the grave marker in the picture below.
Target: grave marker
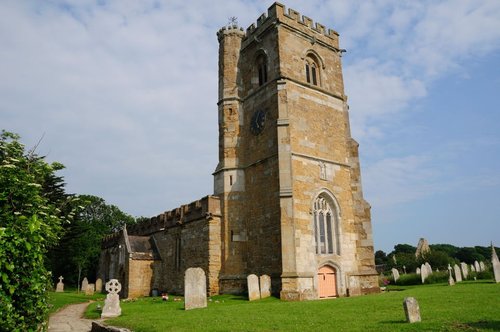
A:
(195, 288)
(60, 285)
(253, 287)
(412, 310)
(265, 286)
(112, 303)
(458, 273)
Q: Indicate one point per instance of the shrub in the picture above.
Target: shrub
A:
(409, 279)
(437, 277)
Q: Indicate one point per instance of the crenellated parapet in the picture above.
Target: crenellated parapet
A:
(278, 14)
(203, 208)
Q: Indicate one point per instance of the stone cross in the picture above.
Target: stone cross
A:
(253, 287)
(458, 273)
(195, 288)
(265, 286)
(112, 303)
(60, 285)
(412, 310)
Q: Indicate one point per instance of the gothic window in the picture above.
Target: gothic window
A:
(312, 71)
(325, 227)
(262, 69)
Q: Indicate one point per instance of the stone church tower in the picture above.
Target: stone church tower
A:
(288, 176)
(287, 190)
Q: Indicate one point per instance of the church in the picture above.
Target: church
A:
(287, 198)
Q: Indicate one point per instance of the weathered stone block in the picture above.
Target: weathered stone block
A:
(412, 310)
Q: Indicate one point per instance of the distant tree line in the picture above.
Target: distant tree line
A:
(439, 256)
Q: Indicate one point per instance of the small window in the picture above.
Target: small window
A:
(262, 69)
(312, 71)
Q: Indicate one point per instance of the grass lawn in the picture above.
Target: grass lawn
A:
(59, 300)
(467, 306)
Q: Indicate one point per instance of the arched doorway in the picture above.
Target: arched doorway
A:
(327, 282)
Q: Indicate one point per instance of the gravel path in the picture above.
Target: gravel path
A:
(69, 319)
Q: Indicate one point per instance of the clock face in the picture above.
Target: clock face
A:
(258, 121)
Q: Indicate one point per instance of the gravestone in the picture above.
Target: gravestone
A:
(465, 270)
(495, 264)
(60, 285)
(112, 303)
(476, 266)
(85, 283)
(451, 282)
(418, 270)
(90, 289)
(412, 310)
(395, 274)
(195, 288)
(265, 286)
(98, 285)
(481, 265)
(429, 268)
(458, 273)
(253, 287)
(423, 273)
(472, 268)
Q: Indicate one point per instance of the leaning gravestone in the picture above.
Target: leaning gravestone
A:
(85, 283)
(495, 264)
(253, 287)
(417, 271)
(465, 270)
(423, 273)
(476, 266)
(458, 274)
(90, 289)
(60, 285)
(265, 286)
(98, 285)
(481, 265)
(412, 310)
(112, 303)
(472, 268)
(395, 274)
(195, 288)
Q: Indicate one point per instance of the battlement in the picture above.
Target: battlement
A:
(278, 13)
(204, 208)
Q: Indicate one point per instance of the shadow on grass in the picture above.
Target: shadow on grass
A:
(482, 324)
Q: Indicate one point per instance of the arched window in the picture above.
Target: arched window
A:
(312, 71)
(325, 227)
(262, 69)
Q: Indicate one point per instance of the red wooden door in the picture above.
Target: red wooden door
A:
(327, 282)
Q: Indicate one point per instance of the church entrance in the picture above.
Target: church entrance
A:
(327, 282)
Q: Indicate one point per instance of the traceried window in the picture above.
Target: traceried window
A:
(262, 69)
(325, 227)
(312, 71)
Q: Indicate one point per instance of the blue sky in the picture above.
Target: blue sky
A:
(124, 94)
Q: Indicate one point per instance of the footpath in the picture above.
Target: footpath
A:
(69, 319)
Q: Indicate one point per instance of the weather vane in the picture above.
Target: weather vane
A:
(233, 21)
